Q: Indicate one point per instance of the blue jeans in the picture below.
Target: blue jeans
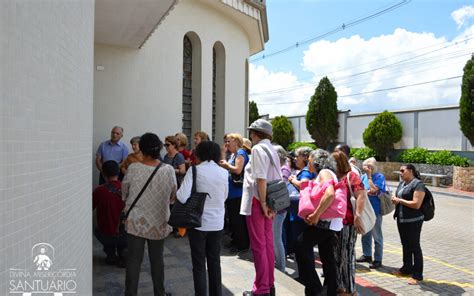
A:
(376, 234)
(280, 256)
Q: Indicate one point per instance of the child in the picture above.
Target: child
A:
(107, 201)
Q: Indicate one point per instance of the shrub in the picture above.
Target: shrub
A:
(414, 155)
(382, 132)
(362, 153)
(445, 157)
(321, 118)
(283, 132)
(295, 145)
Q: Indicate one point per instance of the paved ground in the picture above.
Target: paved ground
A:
(447, 243)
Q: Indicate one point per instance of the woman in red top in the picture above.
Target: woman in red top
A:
(345, 247)
(182, 142)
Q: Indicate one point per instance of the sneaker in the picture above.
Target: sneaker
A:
(363, 258)
(250, 293)
(375, 265)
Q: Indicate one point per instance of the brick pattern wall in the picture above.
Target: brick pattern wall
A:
(463, 178)
(46, 90)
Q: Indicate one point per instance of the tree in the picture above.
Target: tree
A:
(283, 132)
(253, 112)
(382, 132)
(466, 103)
(321, 118)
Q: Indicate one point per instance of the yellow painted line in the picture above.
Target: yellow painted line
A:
(433, 260)
(388, 275)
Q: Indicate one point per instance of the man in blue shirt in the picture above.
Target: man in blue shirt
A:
(112, 149)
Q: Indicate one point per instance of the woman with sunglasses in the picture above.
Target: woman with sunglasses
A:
(408, 199)
(174, 158)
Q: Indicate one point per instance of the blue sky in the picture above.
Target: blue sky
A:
(387, 39)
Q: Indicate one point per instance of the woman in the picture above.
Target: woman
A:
(258, 172)
(319, 231)
(409, 197)
(205, 240)
(182, 142)
(148, 219)
(374, 183)
(345, 247)
(136, 156)
(238, 160)
(296, 224)
(280, 255)
(199, 136)
(302, 155)
(174, 158)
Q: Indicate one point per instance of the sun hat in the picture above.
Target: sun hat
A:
(261, 125)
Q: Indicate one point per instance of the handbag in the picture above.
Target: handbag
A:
(386, 205)
(278, 197)
(367, 216)
(188, 215)
(312, 195)
(123, 215)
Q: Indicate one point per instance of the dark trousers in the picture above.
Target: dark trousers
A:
(136, 248)
(412, 254)
(237, 224)
(112, 245)
(206, 246)
(326, 240)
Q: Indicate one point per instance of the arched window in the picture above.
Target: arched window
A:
(191, 102)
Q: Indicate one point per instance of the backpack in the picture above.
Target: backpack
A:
(428, 206)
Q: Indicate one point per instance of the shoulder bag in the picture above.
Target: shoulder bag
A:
(367, 216)
(188, 215)
(386, 205)
(278, 197)
(123, 215)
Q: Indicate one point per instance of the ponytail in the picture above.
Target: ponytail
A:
(412, 168)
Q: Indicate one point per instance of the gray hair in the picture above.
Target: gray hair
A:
(371, 162)
(118, 127)
(323, 160)
(281, 153)
(304, 151)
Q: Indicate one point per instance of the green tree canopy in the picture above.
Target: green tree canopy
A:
(253, 112)
(466, 103)
(382, 132)
(321, 118)
(283, 133)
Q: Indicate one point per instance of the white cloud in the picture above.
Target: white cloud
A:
(463, 14)
(356, 65)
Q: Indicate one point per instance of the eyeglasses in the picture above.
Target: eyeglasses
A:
(167, 144)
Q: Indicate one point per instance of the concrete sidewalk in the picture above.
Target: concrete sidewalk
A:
(237, 273)
(441, 190)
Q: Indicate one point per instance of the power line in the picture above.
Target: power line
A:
(342, 27)
(369, 92)
(394, 64)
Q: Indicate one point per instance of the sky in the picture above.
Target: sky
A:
(416, 50)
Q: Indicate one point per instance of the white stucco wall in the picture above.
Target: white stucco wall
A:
(141, 89)
(433, 124)
(46, 58)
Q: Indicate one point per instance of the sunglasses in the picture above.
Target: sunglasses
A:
(167, 145)
(402, 171)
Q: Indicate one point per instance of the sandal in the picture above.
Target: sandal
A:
(400, 274)
(413, 281)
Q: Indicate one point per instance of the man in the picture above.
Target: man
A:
(344, 148)
(112, 149)
(107, 201)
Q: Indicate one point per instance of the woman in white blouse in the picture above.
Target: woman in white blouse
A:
(205, 241)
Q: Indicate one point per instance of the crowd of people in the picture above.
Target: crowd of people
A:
(146, 183)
